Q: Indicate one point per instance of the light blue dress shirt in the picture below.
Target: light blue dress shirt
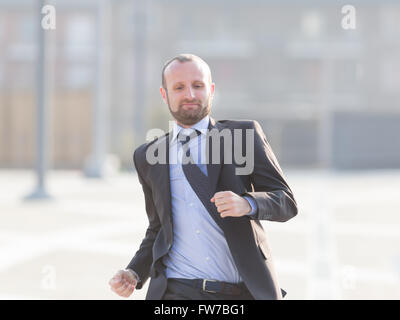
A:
(199, 249)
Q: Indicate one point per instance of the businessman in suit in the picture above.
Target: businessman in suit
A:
(205, 239)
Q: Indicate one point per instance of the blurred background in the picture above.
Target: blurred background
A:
(79, 90)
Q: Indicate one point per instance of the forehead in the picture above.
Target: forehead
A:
(186, 71)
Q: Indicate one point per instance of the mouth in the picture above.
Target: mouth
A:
(190, 105)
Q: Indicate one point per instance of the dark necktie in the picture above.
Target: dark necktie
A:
(184, 139)
(197, 179)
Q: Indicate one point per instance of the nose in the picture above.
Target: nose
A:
(189, 93)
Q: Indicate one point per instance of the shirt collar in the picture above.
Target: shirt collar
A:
(202, 126)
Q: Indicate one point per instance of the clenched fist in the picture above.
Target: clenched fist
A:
(229, 204)
(123, 283)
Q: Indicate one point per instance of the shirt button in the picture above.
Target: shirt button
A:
(191, 204)
(198, 231)
(208, 258)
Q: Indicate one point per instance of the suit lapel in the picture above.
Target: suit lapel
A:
(161, 178)
(213, 169)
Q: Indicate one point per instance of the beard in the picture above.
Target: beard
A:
(191, 116)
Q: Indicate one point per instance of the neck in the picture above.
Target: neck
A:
(186, 126)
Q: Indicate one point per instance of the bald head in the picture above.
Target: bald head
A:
(187, 88)
(182, 58)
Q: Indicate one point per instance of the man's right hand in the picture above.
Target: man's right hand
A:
(123, 283)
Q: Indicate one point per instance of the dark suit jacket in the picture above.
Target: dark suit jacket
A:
(245, 235)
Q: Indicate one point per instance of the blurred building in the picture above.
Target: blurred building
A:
(325, 96)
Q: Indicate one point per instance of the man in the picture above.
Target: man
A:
(205, 239)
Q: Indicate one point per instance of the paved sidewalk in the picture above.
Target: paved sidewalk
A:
(69, 247)
(343, 244)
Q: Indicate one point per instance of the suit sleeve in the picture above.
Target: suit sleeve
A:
(141, 262)
(272, 194)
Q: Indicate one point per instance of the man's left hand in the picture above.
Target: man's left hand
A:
(229, 204)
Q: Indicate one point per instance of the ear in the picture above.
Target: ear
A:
(164, 95)
(212, 90)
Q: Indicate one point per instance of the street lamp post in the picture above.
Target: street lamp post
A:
(42, 103)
